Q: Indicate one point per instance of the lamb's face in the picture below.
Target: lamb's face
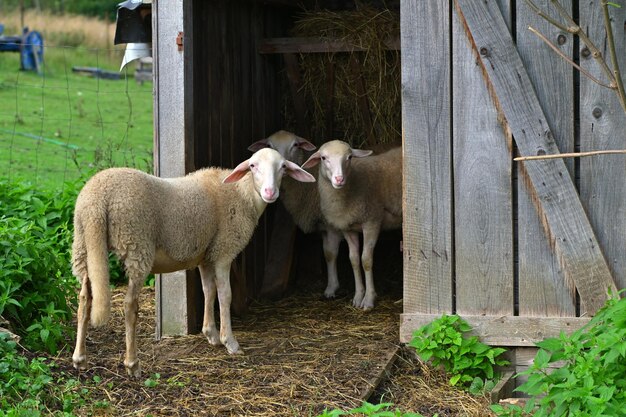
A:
(289, 145)
(335, 159)
(267, 167)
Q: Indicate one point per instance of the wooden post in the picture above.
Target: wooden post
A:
(177, 293)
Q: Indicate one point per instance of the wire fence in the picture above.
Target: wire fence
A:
(73, 114)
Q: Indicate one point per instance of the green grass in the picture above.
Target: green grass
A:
(60, 126)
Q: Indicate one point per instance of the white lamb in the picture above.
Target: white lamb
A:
(204, 219)
(360, 195)
(302, 201)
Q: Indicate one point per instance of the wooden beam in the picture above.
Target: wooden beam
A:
(503, 330)
(314, 45)
(552, 190)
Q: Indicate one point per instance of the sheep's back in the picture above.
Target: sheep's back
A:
(302, 201)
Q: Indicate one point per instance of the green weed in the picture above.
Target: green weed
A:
(469, 362)
(590, 382)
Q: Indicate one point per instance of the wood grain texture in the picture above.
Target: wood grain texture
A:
(177, 292)
(542, 287)
(426, 118)
(553, 192)
(482, 191)
(500, 330)
(603, 126)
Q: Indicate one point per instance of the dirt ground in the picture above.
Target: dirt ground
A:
(302, 354)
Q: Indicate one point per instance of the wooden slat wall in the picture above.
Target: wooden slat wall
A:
(542, 289)
(426, 110)
(603, 126)
(482, 190)
(466, 185)
(237, 100)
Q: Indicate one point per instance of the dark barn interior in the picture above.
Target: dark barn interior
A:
(240, 90)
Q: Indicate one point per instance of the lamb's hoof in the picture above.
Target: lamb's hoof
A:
(80, 362)
(357, 300)
(233, 348)
(133, 369)
(367, 304)
(330, 292)
(213, 336)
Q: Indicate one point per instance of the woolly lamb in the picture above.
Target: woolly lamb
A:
(360, 195)
(204, 219)
(302, 201)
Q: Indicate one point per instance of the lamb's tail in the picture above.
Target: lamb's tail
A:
(90, 242)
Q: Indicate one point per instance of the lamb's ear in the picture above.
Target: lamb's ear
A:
(305, 144)
(259, 144)
(238, 173)
(297, 173)
(359, 153)
(312, 161)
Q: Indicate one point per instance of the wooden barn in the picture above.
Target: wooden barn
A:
(521, 249)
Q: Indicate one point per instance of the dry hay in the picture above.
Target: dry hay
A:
(368, 28)
(302, 354)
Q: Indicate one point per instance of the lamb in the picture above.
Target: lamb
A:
(203, 220)
(302, 201)
(359, 195)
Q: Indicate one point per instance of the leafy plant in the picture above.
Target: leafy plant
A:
(371, 410)
(37, 289)
(28, 387)
(469, 362)
(591, 381)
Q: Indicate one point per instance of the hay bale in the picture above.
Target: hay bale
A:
(331, 82)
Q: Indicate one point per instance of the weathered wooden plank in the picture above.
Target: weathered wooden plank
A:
(553, 192)
(426, 118)
(542, 287)
(313, 45)
(482, 191)
(383, 369)
(603, 126)
(176, 293)
(502, 330)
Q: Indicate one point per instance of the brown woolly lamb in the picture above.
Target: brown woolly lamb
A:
(359, 194)
(158, 225)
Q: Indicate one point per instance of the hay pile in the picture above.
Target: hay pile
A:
(302, 354)
(332, 81)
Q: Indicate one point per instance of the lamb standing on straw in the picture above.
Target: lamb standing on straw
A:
(302, 201)
(204, 219)
(360, 195)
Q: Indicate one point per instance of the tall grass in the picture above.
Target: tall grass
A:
(61, 125)
(65, 30)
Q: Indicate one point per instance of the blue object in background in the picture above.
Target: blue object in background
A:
(29, 45)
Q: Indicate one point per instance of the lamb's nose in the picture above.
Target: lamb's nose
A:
(338, 179)
(269, 193)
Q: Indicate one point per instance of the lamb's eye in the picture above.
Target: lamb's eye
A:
(349, 157)
(323, 158)
(284, 166)
(252, 165)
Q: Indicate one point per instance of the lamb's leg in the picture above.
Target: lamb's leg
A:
(331, 240)
(84, 310)
(355, 259)
(209, 329)
(222, 281)
(370, 237)
(131, 309)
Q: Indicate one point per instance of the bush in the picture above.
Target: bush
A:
(37, 289)
(469, 362)
(591, 382)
